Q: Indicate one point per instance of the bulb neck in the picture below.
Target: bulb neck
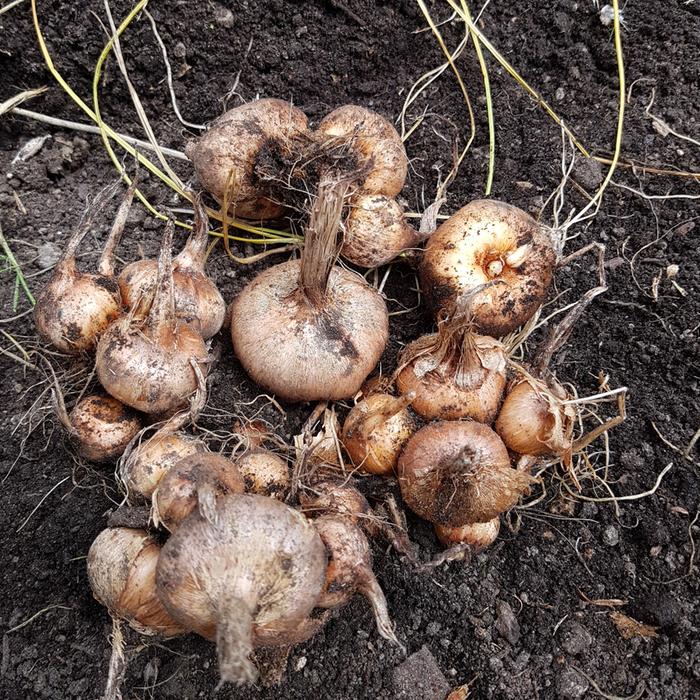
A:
(162, 309)
(234, 640)
(194, 254)
(105, 266)
(321, 245)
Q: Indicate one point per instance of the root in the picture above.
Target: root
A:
(117, 664)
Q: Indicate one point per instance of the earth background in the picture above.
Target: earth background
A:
(514, 621)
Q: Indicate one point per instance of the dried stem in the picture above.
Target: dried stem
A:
(163, 307)
(321, 246)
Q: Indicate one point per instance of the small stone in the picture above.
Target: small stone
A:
(432, 628)
(180, 50)
(559, 94)
(49, 253)
(420, 678)
(611, 536)
(506, 623)
(223, 16)
(300, 664)
(570, 685)
(588, 173)
(574, 638)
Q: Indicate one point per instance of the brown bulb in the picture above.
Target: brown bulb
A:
(331, 498)
(247, 576)
(454, 373)
(350, 570)
(379, 151)
(264, 473)
(478, 535)
(178, 492)
(376, 231)
(453, 473)
(75, 308)
(534, 420)
(121, 566)
(102, 427)
(198, 301)
(376, 430)
(152, 363)
(152, 458)
(308, 330)
(489, 241)
(233, 147)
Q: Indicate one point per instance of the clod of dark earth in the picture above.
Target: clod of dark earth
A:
(528, 618)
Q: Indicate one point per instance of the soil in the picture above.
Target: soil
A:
(516, 621)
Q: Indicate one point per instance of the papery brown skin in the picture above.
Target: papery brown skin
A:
(148, 362)
(264, 473)
(121, 566)
(458, 472)
(301, 351)
(177, 493)
(376, 430)
(75, 308)
(467, 251)
(102, 427)
(324, 449)
(233, 143)
(479, 536)
(196, 296)
(380, 151)
(151, 373)
(198, 301)
(533, 421)
(463, 384)
(332, 498)
(150, 460)
(248, 576)
(376, 231)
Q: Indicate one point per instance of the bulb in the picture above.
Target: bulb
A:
(233, 148)
(331, 498)
(376, 430)
(478, 535)
(377, 147)
(247, 576)
(151, 459)
(178, 492)
(350, 570)
(198, 301)
(376, 231)
(306, 309)
(264, 473)
(489, 241)
(454, 373)
(75, 308)
(534, 420)
(102, 427)
(152, 363)
(121, 567)
(453, 473)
